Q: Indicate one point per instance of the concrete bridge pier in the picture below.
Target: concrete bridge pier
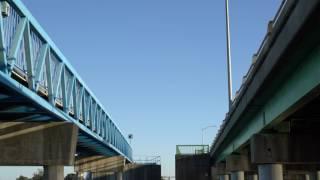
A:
(53, 172)
(237, 164)
(253, 177)
(237, 175)
(220, 172)
(307, 177)
(224, 177)
(270, 172)
(119, 175)
(311, 176)
(267, 150)
(52, 145)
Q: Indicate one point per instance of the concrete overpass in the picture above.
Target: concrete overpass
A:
(272, 129)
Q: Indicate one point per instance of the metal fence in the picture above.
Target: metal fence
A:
(147, 160)
(192, 149)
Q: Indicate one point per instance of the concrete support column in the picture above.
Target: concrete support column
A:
(54, 172)
(88, 176)
(224, 177)
(237, 164)
(237, 175)
(253, 177)
(307, 177)
(119, 175)
(270, 172)
(318, 175)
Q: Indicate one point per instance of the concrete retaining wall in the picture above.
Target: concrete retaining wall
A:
(193, 167)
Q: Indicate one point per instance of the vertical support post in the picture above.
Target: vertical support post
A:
(270, 172)
(307, 176)
(119, 175)
(318, 175)
(3, 56)
(253, 177)
(237, 175)
(88, 176)
(54, 172)
(224, 177)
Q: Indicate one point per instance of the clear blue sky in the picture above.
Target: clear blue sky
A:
(157, 65)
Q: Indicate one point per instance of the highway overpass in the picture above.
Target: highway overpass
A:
(272, 129)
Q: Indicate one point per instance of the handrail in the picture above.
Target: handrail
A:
(192, 149)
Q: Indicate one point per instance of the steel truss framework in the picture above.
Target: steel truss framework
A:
(37, 83)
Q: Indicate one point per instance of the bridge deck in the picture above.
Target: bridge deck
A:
(284, 76)
(37, 83)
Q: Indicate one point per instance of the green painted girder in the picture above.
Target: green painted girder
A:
(291, 84)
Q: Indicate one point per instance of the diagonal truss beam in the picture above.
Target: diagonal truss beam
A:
(17, 40)
(40, 65)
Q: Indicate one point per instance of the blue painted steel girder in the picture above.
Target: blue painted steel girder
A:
(34, 70)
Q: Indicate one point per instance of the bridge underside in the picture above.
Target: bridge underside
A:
(37, 84)
(16, 108)
(275, 127)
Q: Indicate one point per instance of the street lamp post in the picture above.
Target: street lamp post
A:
(130, 137)
(205, 128)
(229, 65)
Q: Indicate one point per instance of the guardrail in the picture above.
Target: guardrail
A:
(272, 30)
(192, 149)
(28, 55)
(147, 160)
(262, 48)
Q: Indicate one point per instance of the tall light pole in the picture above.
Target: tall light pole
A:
(205, 128)
(229, 55)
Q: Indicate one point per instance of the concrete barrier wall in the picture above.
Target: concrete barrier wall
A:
(143, 172)
(193, 167)
(136, 172)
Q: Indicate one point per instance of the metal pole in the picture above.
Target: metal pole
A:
(203, 129)
(229, 54)
(202, 136)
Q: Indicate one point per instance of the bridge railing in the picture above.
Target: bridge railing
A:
(28, 55)
(263, 47)
(192, 149)
(147, 160)
(274, 27)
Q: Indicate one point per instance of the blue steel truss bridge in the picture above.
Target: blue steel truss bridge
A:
(38, 85)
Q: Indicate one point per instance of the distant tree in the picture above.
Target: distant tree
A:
(38, 175)
(22, 178)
